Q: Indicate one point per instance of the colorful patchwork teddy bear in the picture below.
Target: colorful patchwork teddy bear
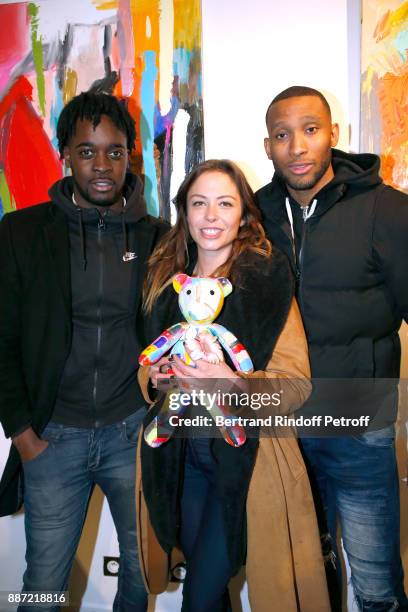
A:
(200, 301)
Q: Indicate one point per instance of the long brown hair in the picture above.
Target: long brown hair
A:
(171, 254)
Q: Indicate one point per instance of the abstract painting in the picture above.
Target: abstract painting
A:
(384, 87)
(147, 52)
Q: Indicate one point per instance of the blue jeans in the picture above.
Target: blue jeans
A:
(202, 534)
(358, 483)
(57, 487)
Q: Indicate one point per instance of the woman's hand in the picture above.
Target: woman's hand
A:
(202, 369)
(204, 376)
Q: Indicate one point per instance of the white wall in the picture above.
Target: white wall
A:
(252, 49)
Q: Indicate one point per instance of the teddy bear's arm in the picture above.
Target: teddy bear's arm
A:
(162, 344)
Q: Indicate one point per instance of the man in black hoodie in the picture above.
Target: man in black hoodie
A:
(345, 234)
(71, 276)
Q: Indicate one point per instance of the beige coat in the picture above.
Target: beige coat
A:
(284, 565)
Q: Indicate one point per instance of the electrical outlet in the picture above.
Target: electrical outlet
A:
(178, 572)
(110, 566)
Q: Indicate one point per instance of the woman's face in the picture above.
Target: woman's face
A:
(214, 214)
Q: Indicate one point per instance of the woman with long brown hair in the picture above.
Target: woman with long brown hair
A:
(226, 506)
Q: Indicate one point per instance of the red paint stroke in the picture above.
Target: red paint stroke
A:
(30, 163)
(13, 31)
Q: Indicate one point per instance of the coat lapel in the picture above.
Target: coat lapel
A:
(57, 239)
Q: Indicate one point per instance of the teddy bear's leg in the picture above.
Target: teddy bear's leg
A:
(212, 351)
(160, 429)
(205, 346)
(232, 432)
(193, 348)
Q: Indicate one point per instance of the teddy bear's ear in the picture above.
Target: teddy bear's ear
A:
(178, 281)
(226, 285)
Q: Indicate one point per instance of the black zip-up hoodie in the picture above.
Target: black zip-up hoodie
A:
(351, 260)
(99, 385)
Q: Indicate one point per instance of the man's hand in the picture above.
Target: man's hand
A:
(29, 445)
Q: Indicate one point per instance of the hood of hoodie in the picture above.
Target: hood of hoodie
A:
(358, 171)
(355, 169)
(61, 194)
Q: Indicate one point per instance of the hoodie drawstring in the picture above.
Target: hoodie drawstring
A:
(290, 219)
(307, 212)
(82, 237)
(127, 255)
(124, 235)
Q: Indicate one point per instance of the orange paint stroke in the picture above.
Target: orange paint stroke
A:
(392, 22)
(393, 103)
(140, 10)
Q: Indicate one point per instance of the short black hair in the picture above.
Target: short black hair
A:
(297, 91)
(91, 106)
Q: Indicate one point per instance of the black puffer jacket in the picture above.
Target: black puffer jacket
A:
(352, 267)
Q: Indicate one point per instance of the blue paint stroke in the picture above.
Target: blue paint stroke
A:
(181, 64)
(1, 208)
(56, 108)
(199, 85)
(182, 59)
(400, 42)
(149, 77)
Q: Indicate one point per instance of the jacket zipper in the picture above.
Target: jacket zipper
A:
(307, 212)
(300, 261)
(101, 229)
